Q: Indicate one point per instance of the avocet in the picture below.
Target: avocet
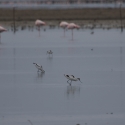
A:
(40, 68)
(71, 78)
(49, 52)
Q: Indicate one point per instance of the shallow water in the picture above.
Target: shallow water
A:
(29, 97)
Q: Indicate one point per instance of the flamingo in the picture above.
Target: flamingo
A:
(63, 25)
(2, 29)
(40, 68)
(72, 26)
(71, 78)
(39, 23)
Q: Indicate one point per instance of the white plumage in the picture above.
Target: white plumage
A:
(39, 67)
(63, 24)
(49, 52)
(71, 78)
(2, 29)
(39, 23)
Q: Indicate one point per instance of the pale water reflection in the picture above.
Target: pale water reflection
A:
(27, 96)
(73, 90)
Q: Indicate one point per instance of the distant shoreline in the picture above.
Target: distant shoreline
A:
(62, 14)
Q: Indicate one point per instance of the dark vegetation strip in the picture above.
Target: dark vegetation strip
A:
(62, 14)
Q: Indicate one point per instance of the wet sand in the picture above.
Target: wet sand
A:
(62, 14)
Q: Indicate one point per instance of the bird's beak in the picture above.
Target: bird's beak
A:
(80, 81)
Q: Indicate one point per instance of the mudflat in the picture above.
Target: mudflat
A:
(62, 14)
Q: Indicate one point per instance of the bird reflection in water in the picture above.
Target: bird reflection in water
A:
(39, 77)
(72, 90)
(50, 58)
(49, 53)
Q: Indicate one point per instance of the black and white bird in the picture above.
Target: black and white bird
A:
(40, 68)
(71, 78)
(50, 52)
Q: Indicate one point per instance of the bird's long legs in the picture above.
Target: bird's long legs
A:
(0, 37)
(72, 34)
(41, 70)
(39, 30)
(64, 32)
(69, 82)
(50, 54)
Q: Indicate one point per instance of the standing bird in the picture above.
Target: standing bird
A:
(49, 52)
(2, 29)
(72, 26)
(71, 78)
(39, 23)
(40, 68)
(63, 25)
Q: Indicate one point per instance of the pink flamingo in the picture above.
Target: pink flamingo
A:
(39, 23)
(63, 25)
(2, 29)
(72, 26)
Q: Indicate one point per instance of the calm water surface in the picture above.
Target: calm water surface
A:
(28, 97)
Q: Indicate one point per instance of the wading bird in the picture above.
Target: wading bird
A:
(49, 52)
(40, 68)
(39, 23)
(2, 29)
(71, 78)
(63, 25)
(72, 26)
